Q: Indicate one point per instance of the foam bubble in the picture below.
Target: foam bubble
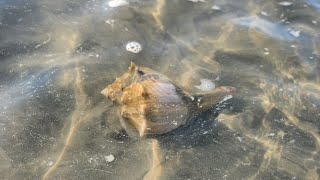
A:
(206, 85)
(134, 47)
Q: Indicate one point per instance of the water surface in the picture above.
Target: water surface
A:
(56, 57)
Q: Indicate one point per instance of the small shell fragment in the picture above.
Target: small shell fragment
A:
(134, 47)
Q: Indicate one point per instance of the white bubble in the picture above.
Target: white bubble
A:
(206, 85)
(134, 47)
(117, 3)
(215, 7)
(294, 33)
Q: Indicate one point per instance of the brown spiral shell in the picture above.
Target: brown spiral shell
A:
(150, 103)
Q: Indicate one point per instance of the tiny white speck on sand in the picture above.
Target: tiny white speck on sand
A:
(240, 139)
(285, 3)
(109, 158)
(197, 0)
(215, 7)
(264, 13)
(227, 98)
(271, 134)
(50, 163)
(110, 22)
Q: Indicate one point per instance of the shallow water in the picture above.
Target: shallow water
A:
(56, 57)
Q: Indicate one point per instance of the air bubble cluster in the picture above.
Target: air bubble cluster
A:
(134, 47)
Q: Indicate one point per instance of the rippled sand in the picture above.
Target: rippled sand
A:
(56, 57)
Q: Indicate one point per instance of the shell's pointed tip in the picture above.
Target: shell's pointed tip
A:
(105, 91)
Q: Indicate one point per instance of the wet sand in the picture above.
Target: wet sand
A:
(56, 57)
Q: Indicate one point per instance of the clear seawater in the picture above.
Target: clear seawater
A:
(56, 57)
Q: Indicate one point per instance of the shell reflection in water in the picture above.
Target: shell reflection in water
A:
(150, 103)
